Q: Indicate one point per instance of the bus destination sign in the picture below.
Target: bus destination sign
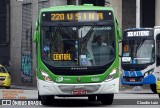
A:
(79, 16)
(138, 33)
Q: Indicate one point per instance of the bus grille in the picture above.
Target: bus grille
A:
(69, 88)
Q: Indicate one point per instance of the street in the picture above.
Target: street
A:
(124, 99)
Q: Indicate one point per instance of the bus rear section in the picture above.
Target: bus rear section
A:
(77, 53)
(139, 62)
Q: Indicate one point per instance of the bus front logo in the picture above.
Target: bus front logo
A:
(59, 79)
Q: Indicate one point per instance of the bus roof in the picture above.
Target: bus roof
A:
(76, 7)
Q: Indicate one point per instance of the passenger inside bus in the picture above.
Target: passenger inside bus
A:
(99, 41)
(101, 51)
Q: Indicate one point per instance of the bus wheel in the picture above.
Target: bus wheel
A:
(8, 87)
(39, 97)
(106, 99)
(47, 100)
(92, 98)
(153, 88)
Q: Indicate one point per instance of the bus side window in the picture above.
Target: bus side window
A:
(158, 49)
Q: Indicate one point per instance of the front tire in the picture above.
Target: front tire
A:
(8, 87)
(106, 99)
(153, 88)
(47, 100)
(39, 97)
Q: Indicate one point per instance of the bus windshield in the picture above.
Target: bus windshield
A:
(138, 51)
(68, 46)
(3, 70)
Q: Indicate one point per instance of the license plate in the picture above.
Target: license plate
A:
(132, 79)
(79, 92)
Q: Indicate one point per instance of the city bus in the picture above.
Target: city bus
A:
(77, 53)
(140, 62)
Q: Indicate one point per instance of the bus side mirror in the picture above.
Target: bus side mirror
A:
(35, 37)
(119, 30)
(119, 33)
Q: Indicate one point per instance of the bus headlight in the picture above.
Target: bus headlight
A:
(148, 72)
(111, 75)
(46, 77)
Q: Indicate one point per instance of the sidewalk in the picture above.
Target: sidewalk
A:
(23, 87)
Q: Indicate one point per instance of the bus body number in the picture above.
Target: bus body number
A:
(56, 17)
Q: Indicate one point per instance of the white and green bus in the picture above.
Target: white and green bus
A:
(77, 53)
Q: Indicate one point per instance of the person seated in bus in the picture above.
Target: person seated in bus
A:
(102, 52)
(99, 41)
(100, 44)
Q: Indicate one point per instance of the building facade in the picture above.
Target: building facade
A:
(23, 15)
(4, 32)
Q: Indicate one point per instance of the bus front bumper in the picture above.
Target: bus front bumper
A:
(51, 88)
(150, 79)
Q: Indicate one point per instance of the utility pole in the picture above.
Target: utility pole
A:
(137, 13)
(138, 3)
(77, 2)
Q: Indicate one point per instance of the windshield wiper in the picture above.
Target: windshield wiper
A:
(87, 36)
(53, 38)
(140, 45)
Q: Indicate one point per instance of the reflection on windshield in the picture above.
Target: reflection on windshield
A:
(138, 51)
(2, 70)
(78, 45)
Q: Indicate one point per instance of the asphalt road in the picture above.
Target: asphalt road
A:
(126, 98)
